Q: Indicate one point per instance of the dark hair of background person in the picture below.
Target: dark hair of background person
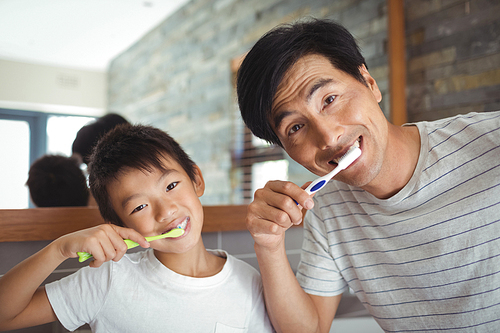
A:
(276, 52)
(89, 134)
(57, 181)
(136, 147)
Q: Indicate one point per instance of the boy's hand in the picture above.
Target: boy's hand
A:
(275, 208)
(104, 242)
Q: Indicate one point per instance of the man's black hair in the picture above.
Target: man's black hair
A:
(89, 134)
(128, 147)
(276, 52)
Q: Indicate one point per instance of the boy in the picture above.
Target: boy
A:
(57, 181)
(145, 185)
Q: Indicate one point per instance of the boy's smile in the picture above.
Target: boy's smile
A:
(156, 201)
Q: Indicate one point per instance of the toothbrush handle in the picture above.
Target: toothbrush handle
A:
(316, 186)
(82, 256)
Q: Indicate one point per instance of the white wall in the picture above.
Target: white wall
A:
(45, 88)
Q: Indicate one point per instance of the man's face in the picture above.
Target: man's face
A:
(319, 112)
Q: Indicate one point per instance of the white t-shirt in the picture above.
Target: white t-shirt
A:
(140, 294)
(428, 258)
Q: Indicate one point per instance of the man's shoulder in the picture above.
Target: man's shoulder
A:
(492, 117)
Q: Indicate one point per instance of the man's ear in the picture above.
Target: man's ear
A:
(371, 83)
(199, 182)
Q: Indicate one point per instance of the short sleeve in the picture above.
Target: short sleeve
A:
(317, 272)
(77, 298)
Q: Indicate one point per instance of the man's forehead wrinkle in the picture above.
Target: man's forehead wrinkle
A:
(318, 85)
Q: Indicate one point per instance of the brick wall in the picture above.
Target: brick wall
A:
(178, 77)
(453, 50)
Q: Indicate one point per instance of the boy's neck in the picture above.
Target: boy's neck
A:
(197, 262)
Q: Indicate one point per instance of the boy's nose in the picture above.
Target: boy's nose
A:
(165, 210)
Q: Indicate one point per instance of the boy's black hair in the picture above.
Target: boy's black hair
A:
(276, 52)
(57, 181)
(129, 146)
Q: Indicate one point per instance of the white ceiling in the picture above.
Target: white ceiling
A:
(80, 34)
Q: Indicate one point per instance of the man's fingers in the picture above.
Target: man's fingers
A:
(293, 191)
(285, 210)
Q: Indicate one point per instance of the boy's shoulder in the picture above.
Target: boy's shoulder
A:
(237, 266)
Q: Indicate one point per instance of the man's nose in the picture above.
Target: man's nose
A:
(326, 133)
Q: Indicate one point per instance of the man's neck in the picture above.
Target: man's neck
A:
(403, 150)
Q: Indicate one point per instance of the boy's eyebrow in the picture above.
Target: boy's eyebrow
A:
(165, 173)
(278, 118)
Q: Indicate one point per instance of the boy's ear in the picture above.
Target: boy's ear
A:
(199, 183)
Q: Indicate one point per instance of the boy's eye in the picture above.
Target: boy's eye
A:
(294, 129)
(328, 100)
(138, 208)
(171, 186)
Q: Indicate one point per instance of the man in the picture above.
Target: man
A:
(412, 226)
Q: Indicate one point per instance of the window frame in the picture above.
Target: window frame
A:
(245, 157)
(37, 122)
(38, 129)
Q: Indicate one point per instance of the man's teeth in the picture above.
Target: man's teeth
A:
(355, 145)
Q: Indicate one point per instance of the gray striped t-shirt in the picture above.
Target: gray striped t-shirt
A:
(428, 258)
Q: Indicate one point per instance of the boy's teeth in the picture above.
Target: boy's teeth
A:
(183, 224)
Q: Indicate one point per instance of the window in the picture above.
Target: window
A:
(15, 152)
(255, 161)
(61, 132)
(25, 136)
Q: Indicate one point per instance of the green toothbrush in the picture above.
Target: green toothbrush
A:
(174, 233)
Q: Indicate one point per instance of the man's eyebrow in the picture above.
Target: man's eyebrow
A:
(278, 118)
(320, 84)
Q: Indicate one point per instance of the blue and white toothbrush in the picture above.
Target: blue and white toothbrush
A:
(352, 154)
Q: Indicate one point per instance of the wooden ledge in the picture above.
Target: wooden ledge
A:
(37, 224)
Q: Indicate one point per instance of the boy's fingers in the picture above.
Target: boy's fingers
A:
(128, 233)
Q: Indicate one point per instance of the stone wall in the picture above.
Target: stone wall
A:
(178, 77)
(453, 50)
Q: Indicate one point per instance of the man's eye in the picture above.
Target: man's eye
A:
(328, 100)
(294, 129)
(138, 208)
(171, 186)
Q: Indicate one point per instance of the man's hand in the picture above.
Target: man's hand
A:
(275, 208)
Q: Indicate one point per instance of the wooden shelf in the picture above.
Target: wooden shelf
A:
(49, 223)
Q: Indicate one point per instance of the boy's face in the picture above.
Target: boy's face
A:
(154, 203)
(320, 111)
